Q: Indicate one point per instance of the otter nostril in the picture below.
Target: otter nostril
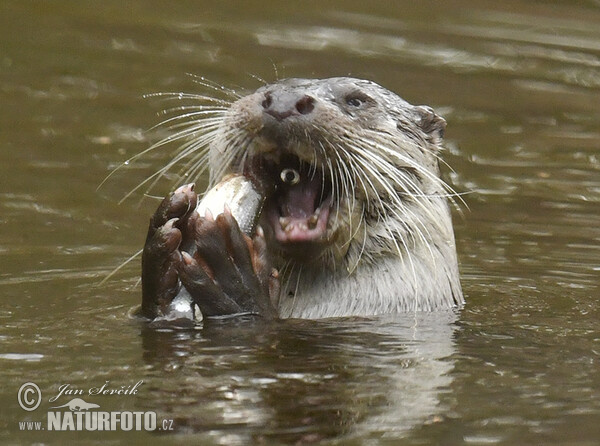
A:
(305, 105)
(266, 103)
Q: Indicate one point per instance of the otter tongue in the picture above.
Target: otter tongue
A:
(301, 214)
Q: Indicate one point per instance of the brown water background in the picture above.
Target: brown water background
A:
(519, 84)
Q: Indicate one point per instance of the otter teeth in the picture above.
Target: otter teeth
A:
(284, 222)
(288, 225)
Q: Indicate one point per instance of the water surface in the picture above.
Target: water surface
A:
(519, 84)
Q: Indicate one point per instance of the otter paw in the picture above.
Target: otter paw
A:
(160, 261)
(227, 273)
(178, 204)
(161, 255)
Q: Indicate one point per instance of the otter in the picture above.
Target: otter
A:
(363, 226)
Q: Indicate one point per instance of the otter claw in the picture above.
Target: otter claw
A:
(179, 204)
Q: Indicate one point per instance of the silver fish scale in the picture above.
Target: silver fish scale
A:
(241, 195)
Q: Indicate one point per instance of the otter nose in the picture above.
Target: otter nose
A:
(282, 105)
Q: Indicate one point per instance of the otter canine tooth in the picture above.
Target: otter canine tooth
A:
(284, 222)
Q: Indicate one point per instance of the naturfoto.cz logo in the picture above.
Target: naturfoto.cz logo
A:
(80, 415)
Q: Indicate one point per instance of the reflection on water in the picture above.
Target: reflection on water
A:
(519, 85)
(303, 380)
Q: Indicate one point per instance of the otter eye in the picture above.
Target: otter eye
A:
(290, 176)
(357, 98)
(353, 101)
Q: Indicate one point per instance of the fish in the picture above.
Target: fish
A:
(244, 197)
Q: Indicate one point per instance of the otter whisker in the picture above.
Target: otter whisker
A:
(398, 235)
(390, 231)
(184, 152)
(413, 164)
(348, 191)
(258, 78)
(361, 223)
(392, 172)
(180, 135)
(176, 110)
(287, 273)
(233, 147)
(196, 166)
(297, 286)
(190, 130)
(209, 111)
(398, 205)
(118, 268)
(190, 96)
(201, 80)
(334, 188)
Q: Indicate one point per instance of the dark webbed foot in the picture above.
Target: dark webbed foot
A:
(161, 256)
(226, 272)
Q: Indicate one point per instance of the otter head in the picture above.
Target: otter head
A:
(352, 163)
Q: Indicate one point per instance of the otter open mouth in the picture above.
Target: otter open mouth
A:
(299, 208)
(300, 212)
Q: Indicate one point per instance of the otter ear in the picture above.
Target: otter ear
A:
(431, 123)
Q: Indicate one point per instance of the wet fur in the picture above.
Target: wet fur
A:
(392, 244)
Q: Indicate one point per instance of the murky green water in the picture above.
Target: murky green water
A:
(519, 84)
